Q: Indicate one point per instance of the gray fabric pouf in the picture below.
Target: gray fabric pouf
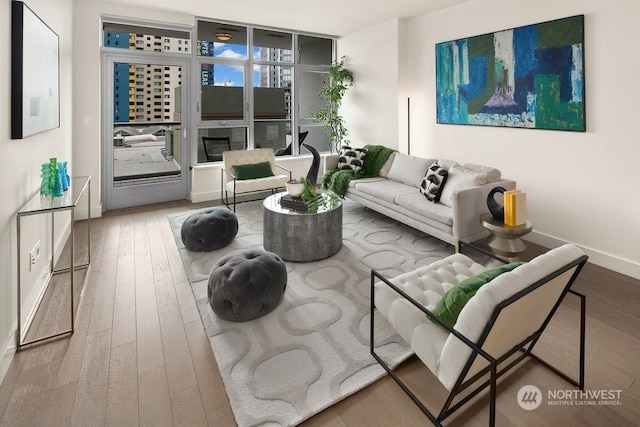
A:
(246, 284)
(209, 230)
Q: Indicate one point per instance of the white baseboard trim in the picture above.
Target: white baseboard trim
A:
(80, 212)
(204, 196)
(7, 355)
(602, 259)
(33, 302)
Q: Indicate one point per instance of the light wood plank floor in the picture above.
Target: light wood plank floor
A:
(140, 355)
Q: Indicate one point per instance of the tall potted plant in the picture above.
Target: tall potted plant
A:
(338, 80)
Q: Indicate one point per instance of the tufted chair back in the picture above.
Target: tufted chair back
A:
(247, 157)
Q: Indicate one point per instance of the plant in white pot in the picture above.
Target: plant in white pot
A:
(337, 81)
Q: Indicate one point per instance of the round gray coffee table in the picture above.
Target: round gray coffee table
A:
(301, 237)
(504, 239)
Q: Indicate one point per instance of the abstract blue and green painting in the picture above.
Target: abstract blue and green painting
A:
(530, 77)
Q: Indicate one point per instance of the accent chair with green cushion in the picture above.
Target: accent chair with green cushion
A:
(497, 327)
(250, 171)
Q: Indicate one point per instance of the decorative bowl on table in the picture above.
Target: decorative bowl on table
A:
(295, 189)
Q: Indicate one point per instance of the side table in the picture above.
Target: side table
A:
(504, 239)
(50, 205)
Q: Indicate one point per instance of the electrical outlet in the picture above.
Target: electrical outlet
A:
(34, 255)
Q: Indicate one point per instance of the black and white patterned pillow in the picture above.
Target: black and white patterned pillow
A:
(351, 158)
(433, 182)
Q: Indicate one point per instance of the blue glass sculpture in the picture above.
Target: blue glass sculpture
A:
(45, 188)
(56, 182)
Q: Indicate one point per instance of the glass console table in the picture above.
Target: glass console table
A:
(39, 205)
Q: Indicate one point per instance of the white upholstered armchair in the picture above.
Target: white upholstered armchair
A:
(497, 328)
(250, 171)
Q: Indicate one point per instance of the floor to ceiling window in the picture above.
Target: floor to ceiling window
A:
(251, 87)
(258, 89)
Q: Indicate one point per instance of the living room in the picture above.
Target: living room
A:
(567, 175)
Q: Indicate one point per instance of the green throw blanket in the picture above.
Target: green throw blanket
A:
(338, 180)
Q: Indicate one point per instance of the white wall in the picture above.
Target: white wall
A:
(371, 105)
(20, 173)
(581, 187)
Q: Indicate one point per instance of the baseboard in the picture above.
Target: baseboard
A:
(10, 346)
(204, 196)
(33, 302)
(602, 259)
(80, 212)
(7, 355)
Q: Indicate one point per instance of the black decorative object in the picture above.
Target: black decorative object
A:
(209, 230)
(496, 209)
(246, 284)
(294, 203)
(312, 175)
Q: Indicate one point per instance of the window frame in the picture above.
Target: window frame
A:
(296, 122)
(249, 121)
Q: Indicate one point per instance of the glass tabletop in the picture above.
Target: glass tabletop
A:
(68, 200)
(328, 202)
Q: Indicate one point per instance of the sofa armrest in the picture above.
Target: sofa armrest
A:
(330, 162)
(469, 204)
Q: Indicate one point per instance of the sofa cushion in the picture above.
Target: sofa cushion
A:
(355, 182)
(417, 204)
(446, 163)
(351, 158)
(460, 178)
(453, 301)
(409, 169)
(492, 174)
(384, 172)
(433, 182)
(385, 189)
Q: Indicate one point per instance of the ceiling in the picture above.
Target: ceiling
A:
(332, 17)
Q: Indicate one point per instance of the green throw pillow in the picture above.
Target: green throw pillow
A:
(453, 301)
(253, 170)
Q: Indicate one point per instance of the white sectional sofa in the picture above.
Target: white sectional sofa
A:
(395, 193)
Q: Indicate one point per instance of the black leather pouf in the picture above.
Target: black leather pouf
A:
(246, 284)
(209, 230)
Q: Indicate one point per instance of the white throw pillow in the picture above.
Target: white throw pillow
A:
(409, 169)
(460, 178)
(384, 172)
(493, 174)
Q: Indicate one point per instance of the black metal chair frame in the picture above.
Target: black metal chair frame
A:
(221, 139)
(495, 368)
(223, 189)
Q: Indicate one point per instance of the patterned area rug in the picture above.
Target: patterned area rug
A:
(313, 350)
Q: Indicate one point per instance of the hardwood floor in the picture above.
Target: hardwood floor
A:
(140, 355)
